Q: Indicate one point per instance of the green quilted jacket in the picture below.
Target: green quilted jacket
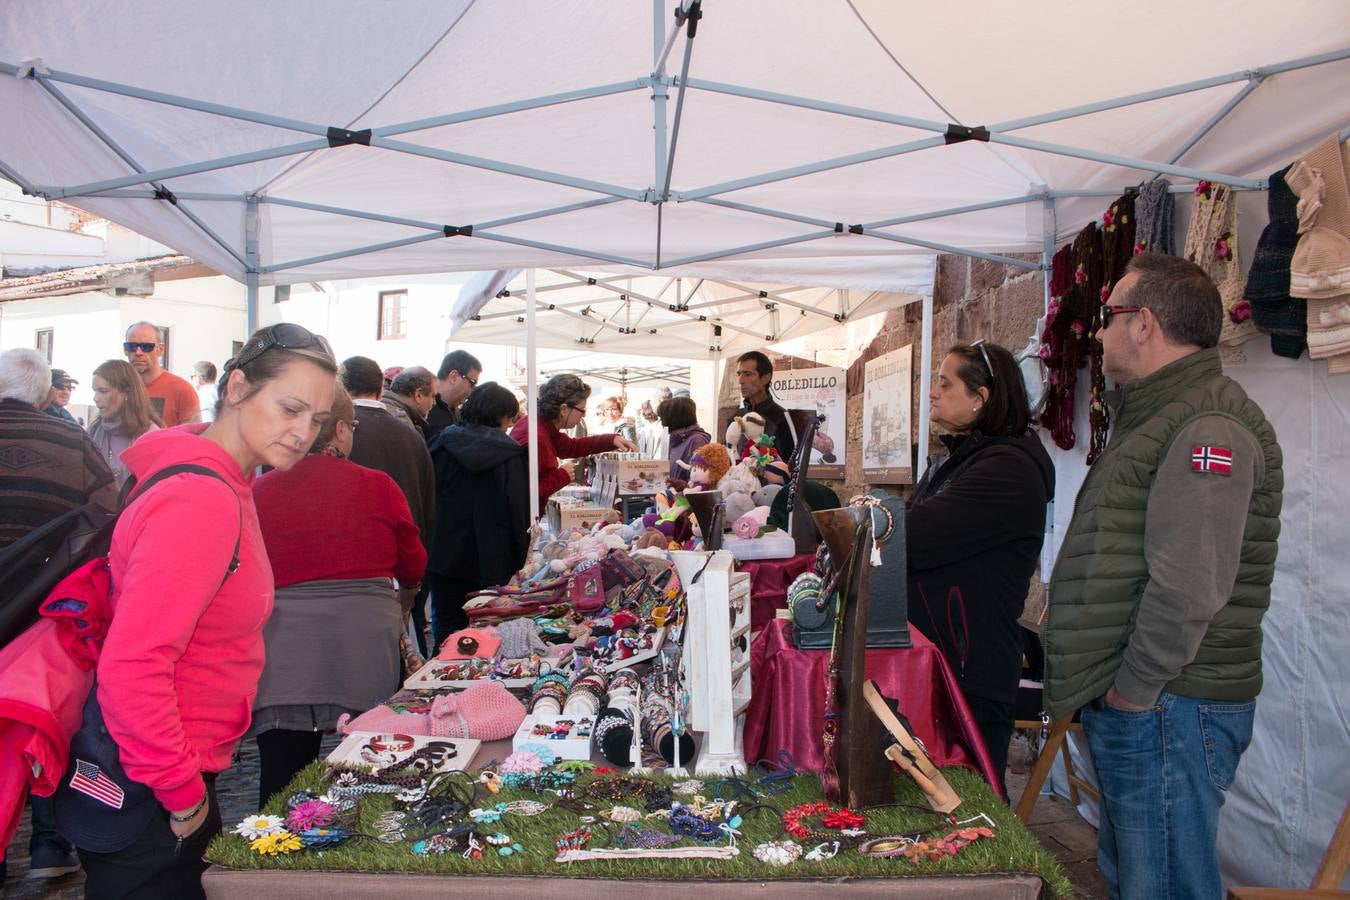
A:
(1101, 572)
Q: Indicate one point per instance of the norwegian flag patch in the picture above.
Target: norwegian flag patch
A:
(1209, 458)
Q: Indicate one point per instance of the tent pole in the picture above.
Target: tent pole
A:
(532, 394)
(251, 261)
(925, 380)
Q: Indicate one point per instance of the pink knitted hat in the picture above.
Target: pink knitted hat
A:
(383, 720)
(485, 711)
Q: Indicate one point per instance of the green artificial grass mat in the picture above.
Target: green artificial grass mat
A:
(1013, 849)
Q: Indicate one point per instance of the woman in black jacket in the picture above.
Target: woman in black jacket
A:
(974, 529)
(482, 505)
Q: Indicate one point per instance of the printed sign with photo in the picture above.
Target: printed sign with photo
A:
(820, 391)
(887, 433)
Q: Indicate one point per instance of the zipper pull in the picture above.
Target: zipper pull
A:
(178, 847)
(1045, 727)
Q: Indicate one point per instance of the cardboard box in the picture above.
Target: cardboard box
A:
(615, 477)
(567, 741)
(563, 518)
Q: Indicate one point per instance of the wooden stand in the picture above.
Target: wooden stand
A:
(799, 512)
(863, 781)
(909, 756)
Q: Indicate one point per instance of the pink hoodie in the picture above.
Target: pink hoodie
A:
(181, 662)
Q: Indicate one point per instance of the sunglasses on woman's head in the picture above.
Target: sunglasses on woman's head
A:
(285, 336)
(985, 353)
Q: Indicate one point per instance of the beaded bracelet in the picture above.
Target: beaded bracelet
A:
(617, 787)
(683, 821)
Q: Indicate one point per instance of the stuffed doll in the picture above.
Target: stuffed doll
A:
(738, 487)
(710, 463)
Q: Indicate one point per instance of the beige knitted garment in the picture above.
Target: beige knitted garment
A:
(1320, 269)
(1212, 244)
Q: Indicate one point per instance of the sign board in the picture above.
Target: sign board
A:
(820, 391)
(887, 432)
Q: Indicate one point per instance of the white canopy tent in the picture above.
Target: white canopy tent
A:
(788, 142)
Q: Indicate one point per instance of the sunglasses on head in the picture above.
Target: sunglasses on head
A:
(1108, 311)
(143, 346)
(284, 336)
(985, 353)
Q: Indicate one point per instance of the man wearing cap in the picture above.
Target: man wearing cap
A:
(456, 377)
(1156, 601)
(172, 397)
(59, 398)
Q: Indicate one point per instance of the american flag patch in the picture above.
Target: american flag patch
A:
(1208, 458)
(89, 779)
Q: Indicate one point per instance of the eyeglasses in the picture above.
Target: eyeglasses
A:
(1108, 311)
(143, 346)
(580, 409)
(287, 336)
(473, 382)
(985, 353)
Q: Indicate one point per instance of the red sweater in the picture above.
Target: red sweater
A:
(554, 445)
(184, 651)
(327, 518)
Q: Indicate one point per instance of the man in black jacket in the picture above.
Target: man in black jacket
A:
(754, 372)
(388, 444)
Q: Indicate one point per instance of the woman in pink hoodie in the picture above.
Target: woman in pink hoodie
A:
(184, 650)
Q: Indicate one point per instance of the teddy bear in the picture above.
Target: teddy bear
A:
(738, 487)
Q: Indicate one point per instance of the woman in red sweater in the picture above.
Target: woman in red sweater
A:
(184, 648)
(337, 534)
(562, 404)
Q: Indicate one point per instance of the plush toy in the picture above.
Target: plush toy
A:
(710, 463)
(738, 487)
(764, 496)
(754, 444)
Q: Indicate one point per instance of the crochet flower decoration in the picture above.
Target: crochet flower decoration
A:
(1202, 189)
(546, 755)
(1140, 247)
(1223, 251)
(1241, 312)
(1079, 274)
(273, 844)
(521, 762)
(310, 814)
(1105, 293)
(259, 825)
(1109, 219)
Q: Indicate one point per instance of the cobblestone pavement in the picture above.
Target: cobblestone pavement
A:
(1055, 823)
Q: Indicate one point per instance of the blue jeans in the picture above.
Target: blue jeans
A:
(1163, 773)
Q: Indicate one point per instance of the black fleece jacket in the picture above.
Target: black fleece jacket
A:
(973, 532)
(482, 505)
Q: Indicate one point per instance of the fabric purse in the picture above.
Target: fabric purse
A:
(618, 569)
(587, 590)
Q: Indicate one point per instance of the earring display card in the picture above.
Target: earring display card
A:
(372, 751)
(440, 673)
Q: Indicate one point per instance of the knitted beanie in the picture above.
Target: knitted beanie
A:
(520, 638)
(1154, 212)
(485, 711)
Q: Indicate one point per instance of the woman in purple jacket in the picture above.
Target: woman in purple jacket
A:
(680, 417)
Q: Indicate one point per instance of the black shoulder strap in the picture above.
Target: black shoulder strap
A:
(132, 489)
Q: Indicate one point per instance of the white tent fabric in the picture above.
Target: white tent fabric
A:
(657, 315)
(809, 138)
(788, 142)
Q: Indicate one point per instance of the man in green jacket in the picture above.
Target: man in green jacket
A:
(1162, 579)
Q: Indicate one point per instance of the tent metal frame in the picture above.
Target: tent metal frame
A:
(658, 85)
(665, 145)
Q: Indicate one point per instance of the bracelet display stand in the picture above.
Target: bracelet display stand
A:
(716, 657)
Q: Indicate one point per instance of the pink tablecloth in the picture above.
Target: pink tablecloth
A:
(787, 706)
(769, 580)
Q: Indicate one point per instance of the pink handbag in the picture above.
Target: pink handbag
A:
(587, 591)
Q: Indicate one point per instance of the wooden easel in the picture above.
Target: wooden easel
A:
(863, 781)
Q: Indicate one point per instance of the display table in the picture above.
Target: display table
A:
(769, 580)
(236, 884)
(788, 705)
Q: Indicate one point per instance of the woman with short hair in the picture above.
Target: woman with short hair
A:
(973, 531)
(124, 413)
(482, 505)
(680, 416)
(562, 404)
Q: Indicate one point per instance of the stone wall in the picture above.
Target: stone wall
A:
(972, 299)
